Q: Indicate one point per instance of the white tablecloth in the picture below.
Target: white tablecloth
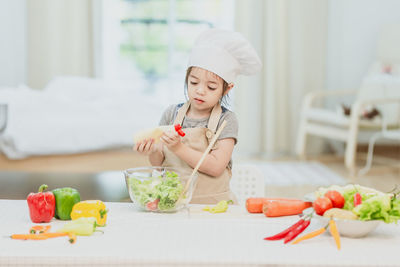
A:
(189, 238)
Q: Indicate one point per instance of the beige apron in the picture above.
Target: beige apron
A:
(209, 190)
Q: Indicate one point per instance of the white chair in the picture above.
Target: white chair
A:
(378, 89)
(391, 134)
(3, 117)
(247, 181)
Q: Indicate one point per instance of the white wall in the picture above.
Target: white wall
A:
(353, 30)
(12, 42)
(352, 33)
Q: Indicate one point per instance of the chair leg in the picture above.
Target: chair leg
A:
(351, 147)
(301, 140)
(371, 144)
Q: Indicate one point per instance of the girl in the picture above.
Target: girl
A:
(216, 59)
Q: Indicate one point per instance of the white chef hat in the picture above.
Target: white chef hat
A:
(225, 53)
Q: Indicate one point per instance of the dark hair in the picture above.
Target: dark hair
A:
(224, 100)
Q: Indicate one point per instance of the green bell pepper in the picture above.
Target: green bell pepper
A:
(65, 199)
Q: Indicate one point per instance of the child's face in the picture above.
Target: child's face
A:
(204, 88)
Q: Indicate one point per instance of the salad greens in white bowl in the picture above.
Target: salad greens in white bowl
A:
(360, 214)
(159, 189)
(350, 228)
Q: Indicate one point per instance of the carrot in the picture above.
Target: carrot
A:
(72, 238)
(310, 235)
(37, 236)
(29, 236)
(334, 232)
(255, 204)
(284, 207)
(55, 234)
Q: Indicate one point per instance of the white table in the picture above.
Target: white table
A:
(199, 238)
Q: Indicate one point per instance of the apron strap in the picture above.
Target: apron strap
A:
(181, 113)
(214, 118)
(212, 121)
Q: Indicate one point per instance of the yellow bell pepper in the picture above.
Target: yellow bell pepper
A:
(90, 208)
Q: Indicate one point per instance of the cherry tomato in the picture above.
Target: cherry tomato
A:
(336, 198)
(152, 205)
(321, 205)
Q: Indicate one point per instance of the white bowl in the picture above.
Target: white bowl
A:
(350, 228)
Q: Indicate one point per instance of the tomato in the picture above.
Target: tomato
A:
(152, 205)
(321, 205)
(336, 198)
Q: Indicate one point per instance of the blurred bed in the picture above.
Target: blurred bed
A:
(75, 115)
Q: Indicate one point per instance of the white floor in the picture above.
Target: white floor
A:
(297, 173)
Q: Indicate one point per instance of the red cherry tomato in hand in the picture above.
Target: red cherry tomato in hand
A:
(321, 205)
(336, 198)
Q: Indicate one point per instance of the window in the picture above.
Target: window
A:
(148, 42)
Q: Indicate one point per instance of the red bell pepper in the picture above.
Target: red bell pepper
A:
(178, 129)
(41, 205)
(357, 199)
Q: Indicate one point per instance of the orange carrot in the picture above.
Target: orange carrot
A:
(37, 236)
(284, 207)
(255, 204)
(334, 232)
(72, 238)
(29, 236)
(310, 235)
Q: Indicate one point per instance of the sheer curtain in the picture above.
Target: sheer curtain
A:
(290, 37)
(60, 39)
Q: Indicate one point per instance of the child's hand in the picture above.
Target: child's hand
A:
(146, 147)
(171, 139)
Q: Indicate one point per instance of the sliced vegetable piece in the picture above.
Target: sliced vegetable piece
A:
(357, 199)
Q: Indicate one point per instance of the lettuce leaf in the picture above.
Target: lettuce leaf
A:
(394, 213)
(375, 208)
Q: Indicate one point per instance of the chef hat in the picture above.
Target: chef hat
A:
(225, 53)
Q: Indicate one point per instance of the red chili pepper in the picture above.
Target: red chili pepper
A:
(295, 232)
(357, 199)
(178, 129)
(282, 234)
(41, 205)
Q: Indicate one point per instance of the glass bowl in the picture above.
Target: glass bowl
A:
(158, 189)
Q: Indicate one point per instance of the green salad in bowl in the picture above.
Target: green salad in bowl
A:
(159, 189)
(372, 204)
(357, 209)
